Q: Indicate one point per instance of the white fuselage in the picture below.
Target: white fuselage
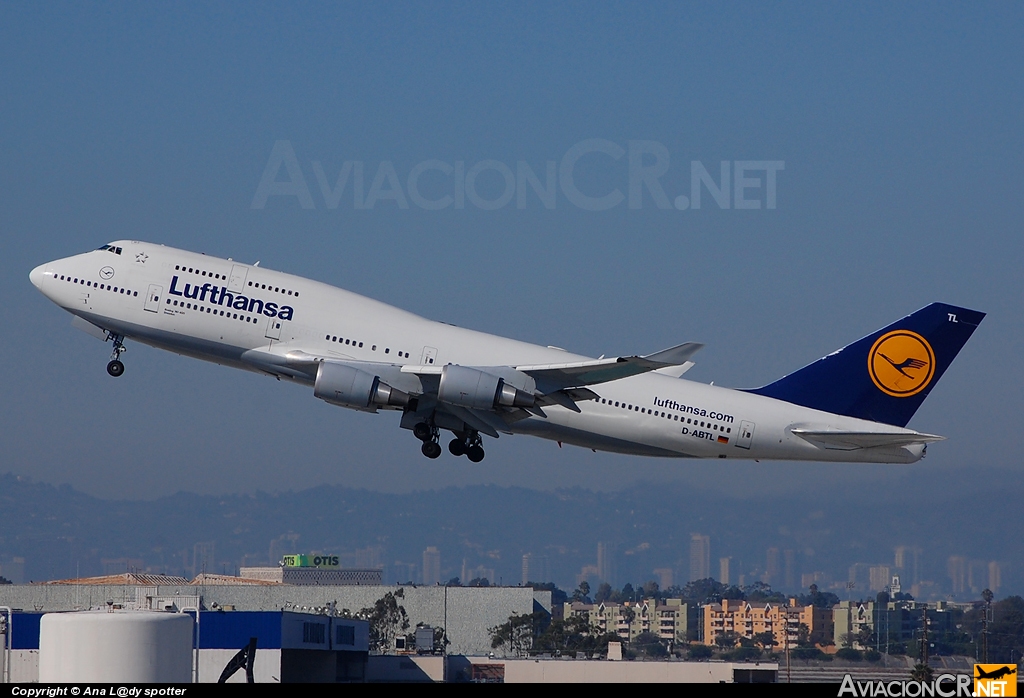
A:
(251, 317)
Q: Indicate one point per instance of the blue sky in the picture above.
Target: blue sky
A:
(899, 126)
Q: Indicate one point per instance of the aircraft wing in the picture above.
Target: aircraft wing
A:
(534, 386)
(552, 377)
(854, 440)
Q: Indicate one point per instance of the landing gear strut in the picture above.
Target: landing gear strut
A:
(428, 434)
(115, 367)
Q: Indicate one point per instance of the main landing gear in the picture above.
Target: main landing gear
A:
(428, 434)
(468, 445)
(115, 367)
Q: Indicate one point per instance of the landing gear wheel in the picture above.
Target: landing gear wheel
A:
(456, 447)
(115, 368)
(423, 432)
(475, 454)
(431, 449)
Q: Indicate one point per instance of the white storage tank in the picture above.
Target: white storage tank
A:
(118, 646)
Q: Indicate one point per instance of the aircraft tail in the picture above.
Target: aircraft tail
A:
(885, 376)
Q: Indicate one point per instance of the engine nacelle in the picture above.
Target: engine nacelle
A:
(469, 387)
(344, 385)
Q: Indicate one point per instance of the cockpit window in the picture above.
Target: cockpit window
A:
(110, 248)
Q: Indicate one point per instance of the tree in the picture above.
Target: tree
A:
(582, 592)
(726, 640)
(766, 640)
(759, 592)
(921, 672)
(651, 590)
(388, 620)
(700, 652)
(516, 634)
(702, 591)
(803, 636)
(573, 635)
(603, 593)
(817, 598)
(647, 644)
(558, 597)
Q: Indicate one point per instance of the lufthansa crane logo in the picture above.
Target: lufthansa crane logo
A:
(901, 363)
(106, 273)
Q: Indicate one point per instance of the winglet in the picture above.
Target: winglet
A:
(675, 356)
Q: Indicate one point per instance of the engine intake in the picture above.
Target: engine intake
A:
(469, 387)
(343, 385)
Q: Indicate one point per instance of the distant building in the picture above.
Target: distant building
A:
(995, 576)
(369, 558)
(605, 563)
(879, 577)
(978, 576)
(700, 557)
(627, 620)
(664, 577)
(771, 568)
(747, 620)
(724, 575)
(789, 569)
(479, 572)
(431, 566)
(283, 545)
(313, 576)
(885, 624)
(956, 567)
(860, 575)
(907, 562)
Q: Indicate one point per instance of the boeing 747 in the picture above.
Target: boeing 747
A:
(852, 405)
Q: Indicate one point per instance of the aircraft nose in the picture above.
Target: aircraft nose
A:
(36, 276)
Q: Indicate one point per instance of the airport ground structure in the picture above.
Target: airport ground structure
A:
(467, 613)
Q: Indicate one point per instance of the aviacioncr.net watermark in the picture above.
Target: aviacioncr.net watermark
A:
(642, 168)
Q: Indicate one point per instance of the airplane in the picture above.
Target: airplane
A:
(999, 673)
(850, 406)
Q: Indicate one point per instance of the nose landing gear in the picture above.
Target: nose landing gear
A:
(115, 367)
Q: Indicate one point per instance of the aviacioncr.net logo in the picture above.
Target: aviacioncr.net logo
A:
(901, 363)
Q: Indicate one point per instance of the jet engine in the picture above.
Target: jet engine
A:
(469, 387)
(343, 385)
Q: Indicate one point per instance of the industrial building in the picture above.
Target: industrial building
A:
(82, 646)
(467, 613)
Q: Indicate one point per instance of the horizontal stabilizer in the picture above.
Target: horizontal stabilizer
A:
(854, 440)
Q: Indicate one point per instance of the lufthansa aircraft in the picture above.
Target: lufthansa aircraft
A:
(852, 405)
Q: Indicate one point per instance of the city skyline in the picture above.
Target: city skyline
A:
(473, 544)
